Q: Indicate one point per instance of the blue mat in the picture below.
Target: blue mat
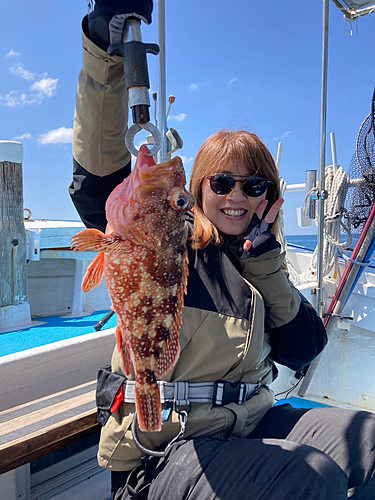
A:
(300, 403)
(54, 329)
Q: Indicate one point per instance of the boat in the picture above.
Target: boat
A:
(49, 372)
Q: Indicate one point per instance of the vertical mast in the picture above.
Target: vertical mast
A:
(322, 159)
(161, 93)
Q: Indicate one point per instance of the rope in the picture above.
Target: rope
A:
(337, 184)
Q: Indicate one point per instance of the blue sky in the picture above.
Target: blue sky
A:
(229, 64)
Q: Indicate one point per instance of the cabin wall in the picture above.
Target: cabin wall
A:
(54, 286)
(8, 485)
(50, 286)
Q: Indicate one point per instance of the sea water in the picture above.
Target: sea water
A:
(310, 241)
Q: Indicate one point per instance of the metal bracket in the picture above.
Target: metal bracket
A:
(134, 129)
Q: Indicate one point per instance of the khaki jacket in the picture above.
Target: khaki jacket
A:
(214, 346)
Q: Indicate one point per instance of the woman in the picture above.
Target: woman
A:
(241, 315)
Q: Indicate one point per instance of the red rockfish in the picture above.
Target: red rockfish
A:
(144, 259)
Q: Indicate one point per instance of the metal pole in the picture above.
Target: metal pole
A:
(321, 186)
(310, 203)
(132, 30)
(334, 153)
(279, 151)
(161, 97)
(323, 113)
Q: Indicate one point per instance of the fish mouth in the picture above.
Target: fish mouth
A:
(233, 213)
(152, 175)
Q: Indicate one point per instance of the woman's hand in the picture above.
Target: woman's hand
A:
(259, 239)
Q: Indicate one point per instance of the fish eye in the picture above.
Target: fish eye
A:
(182, 201)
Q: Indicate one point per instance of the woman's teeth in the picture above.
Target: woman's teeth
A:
(234, 213)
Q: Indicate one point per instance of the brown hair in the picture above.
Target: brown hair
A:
(221, 150)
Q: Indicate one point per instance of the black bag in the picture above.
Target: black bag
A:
(106, 390)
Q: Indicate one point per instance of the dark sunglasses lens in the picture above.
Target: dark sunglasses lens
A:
(221, 184)
(254, 186)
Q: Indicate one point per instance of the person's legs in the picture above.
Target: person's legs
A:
(206, 469)
(347, 436)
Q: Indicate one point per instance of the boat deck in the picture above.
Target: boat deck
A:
(52, 329)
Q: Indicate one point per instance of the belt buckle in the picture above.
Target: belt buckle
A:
(226, 392)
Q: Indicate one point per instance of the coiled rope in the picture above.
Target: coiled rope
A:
(337, 184)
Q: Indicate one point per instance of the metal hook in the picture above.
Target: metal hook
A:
(183, 416)
(134, 129)
(183, 421)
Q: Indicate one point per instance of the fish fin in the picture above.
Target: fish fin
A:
(147, 402)
(95, 240)
(124, 350)
(94, 273)
(89, 239)
(170, 347)
(169, 354)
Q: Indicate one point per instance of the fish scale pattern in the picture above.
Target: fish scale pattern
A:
(144, 258)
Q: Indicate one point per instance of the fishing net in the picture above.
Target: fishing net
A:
(361, 198)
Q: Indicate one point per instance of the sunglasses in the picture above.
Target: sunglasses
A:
(223, 184)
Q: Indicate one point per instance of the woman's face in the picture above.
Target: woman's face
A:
(230, 213)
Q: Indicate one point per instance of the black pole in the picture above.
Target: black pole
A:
(104, 320)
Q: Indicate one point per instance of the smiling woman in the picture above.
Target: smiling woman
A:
(239, 153)
(232, 212)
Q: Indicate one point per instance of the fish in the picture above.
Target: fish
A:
(143, 256)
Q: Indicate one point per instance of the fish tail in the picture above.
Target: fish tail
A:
(94, 273)
(147, 401)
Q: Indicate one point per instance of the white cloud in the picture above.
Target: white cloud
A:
(232, 80)
(177, 118)
(12, 53)
(194, 86)
(16, 98)
(60, 135)
(45, 88)
(22, 72)
(283, 136)
(187, 160)
(22, 137)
